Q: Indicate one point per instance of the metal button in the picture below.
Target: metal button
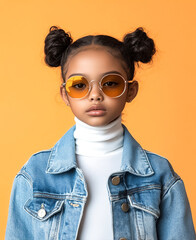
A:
(116, 180)
(122, 239)
(125, 207)
(42, 212)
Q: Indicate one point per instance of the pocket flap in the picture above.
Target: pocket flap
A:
(147, 200)
(49, 207)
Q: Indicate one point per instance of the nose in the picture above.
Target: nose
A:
(96, 93)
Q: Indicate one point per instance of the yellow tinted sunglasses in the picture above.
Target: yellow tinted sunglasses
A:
(112, 85)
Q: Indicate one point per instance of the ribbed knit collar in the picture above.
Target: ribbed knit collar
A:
(100, 140)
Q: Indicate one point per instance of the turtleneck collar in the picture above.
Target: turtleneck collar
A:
(99, 140)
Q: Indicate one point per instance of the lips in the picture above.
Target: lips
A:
(96, 111)
(96, 108)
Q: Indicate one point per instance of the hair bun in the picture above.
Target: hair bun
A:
(139, 45)
(56, 42)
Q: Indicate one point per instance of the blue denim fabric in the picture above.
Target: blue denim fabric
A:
(155, 197)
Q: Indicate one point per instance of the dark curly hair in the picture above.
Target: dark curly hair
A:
(136, 46)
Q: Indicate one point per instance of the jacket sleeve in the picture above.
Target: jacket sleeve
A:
(175, 221)
(19, 221)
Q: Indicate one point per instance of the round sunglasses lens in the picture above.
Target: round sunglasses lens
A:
(113, 85)
(77, 86)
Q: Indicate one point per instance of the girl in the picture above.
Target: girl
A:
(97, 182)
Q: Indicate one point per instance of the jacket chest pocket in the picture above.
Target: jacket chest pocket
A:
(46, 215)
(145, 203)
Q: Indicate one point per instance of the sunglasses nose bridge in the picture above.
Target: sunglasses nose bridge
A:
(95, 83)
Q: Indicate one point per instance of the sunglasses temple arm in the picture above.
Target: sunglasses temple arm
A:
(129, 81)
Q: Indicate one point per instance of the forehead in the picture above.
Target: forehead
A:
(93, 62)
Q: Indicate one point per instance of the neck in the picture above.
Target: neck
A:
(100, 140)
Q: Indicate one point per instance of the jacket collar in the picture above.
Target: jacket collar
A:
(134, 159)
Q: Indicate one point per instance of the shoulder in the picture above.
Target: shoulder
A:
(159, 162)
(163, 170)
(37, 162)
(26, 175)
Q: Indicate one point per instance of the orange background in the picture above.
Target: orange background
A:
(33, 116)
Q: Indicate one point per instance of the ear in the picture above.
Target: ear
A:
(64, 95)
(132, 91)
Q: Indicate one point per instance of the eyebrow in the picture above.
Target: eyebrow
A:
(82, 74)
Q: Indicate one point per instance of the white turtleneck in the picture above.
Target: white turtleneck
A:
(98, 154)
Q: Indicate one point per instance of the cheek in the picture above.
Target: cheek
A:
(121, 106)
(122, 103)
(76, 106)
(118, 105)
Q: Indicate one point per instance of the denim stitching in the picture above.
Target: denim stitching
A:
(144, 188)
(58, 196)
(55, 210)
(51, 156)
(58, 225)
(135, 217)
(149, 209)
(141, 207)
(169, 185)
(123, 194)
(138, 227)
(26, 176)
(46, 150)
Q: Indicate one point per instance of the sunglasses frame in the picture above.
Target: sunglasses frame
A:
(90, 87)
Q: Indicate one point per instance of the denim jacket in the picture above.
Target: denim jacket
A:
(148, 199)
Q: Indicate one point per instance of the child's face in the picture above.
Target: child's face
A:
(94, 63)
